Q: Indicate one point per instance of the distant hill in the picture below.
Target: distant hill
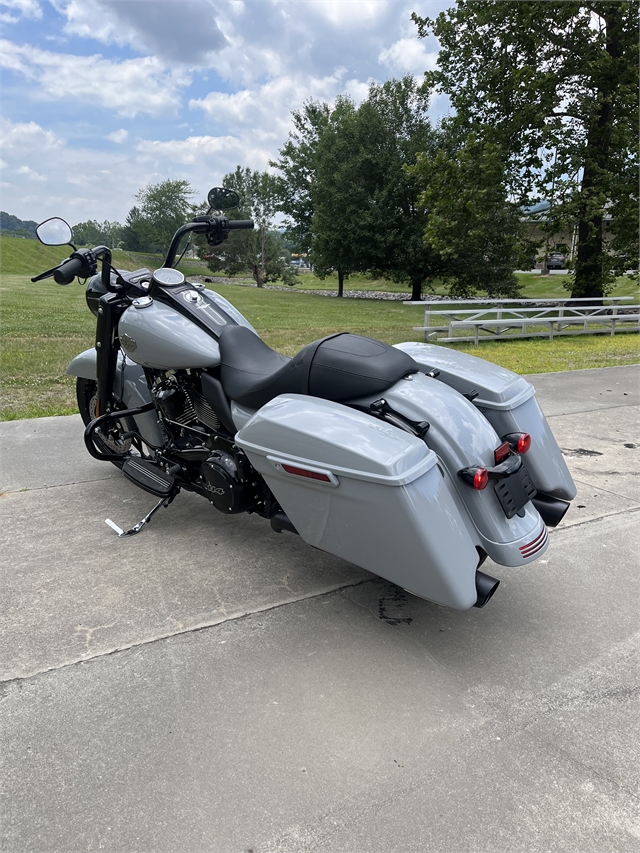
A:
(10, 224)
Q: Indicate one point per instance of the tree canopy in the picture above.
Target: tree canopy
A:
(93, 233)
(346, 191)
(262, 251)
(552, 88)
(162, 208)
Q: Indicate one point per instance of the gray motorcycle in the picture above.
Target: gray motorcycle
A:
(413, 461)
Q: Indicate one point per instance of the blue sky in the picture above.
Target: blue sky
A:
(102, 97)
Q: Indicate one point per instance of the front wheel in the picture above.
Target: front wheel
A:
(86, 394)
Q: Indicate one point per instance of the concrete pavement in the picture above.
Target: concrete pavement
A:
(211, 686)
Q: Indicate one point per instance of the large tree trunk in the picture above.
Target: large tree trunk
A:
(591, 259)
(258, 274)
(340, 283)
(416, 290)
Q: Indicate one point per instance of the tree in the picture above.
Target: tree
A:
(93, 233)
(262, 251)
(297, 167)
(395, 129)
(554, 86)
(338, 197)
(470, 222)
(162, 208)
(345, 189)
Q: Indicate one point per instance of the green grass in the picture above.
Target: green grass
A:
(30, 257)
(44, 326)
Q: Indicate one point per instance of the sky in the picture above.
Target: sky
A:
(102, 97)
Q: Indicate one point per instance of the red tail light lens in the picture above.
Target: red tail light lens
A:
(475, 477)
(480, 479)
(519, 441)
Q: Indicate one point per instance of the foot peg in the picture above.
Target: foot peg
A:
(138, 527)
(149, 476)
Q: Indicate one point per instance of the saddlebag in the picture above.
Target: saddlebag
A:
(367, 492)
(508, 402)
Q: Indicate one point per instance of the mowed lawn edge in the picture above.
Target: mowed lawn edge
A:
(44, 326)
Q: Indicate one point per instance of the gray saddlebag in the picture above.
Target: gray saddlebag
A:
(381, 500)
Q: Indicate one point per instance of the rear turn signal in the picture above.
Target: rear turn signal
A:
(519, 441)
(475, 477)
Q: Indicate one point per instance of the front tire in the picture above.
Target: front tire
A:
(86, 395)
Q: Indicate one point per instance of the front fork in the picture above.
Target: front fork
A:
(110, 308)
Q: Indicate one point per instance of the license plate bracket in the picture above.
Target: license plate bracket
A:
(515, 491)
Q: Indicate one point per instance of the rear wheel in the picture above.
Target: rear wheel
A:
(86, 394)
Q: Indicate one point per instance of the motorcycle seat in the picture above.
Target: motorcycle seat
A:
(340, 367)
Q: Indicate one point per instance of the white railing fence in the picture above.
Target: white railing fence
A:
(502, 319)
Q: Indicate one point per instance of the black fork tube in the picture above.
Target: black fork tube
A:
(110, 308)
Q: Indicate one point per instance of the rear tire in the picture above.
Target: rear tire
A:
(86, 394)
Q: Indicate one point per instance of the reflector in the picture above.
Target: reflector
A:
(502, 452)
(303, 472)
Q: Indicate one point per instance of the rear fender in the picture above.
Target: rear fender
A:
(461, 437)
(508, 402)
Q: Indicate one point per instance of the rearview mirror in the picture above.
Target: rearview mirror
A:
(220, 198)
(54, 232)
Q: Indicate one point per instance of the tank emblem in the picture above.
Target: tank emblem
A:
(129, 344)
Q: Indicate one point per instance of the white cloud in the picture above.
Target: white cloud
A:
(129, 87)
(408, 56)
(265, 111)
(182, 32)
(362, 13)
(30, 173)
(24, 8)
(118, 136)
(20, 138)
(272, 54)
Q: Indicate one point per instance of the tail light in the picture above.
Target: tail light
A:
(518, 441)
(475, 477)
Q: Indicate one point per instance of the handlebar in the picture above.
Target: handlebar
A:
(82, 262)
(68, 270)
(216, 229)
(236, 224)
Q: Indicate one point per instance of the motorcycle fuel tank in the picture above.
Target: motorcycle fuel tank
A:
(155, 335)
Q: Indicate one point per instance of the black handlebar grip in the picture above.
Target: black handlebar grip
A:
(68, 270)
(236, 224)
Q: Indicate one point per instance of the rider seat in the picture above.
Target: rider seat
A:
(338, 368)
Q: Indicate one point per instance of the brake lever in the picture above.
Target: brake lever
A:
(46, 274)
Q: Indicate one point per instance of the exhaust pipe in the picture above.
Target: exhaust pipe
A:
(551, 509)
(485, 587)
(280, 522)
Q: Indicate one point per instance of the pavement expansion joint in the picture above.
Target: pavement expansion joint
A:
(556, 531)
(193, 629)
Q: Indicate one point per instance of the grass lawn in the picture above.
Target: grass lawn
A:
(45, 325)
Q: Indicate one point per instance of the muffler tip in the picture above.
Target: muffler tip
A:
(485, 587)
(552, 510)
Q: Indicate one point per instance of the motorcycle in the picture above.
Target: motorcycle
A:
(413, 461)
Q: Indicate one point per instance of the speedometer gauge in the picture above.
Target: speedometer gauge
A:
(168, 277)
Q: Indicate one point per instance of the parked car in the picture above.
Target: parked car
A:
(556, 261)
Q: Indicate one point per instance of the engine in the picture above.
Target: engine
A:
(228, 481)
(181, 402)
(217, 468)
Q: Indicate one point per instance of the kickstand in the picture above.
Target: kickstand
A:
(138, 527)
